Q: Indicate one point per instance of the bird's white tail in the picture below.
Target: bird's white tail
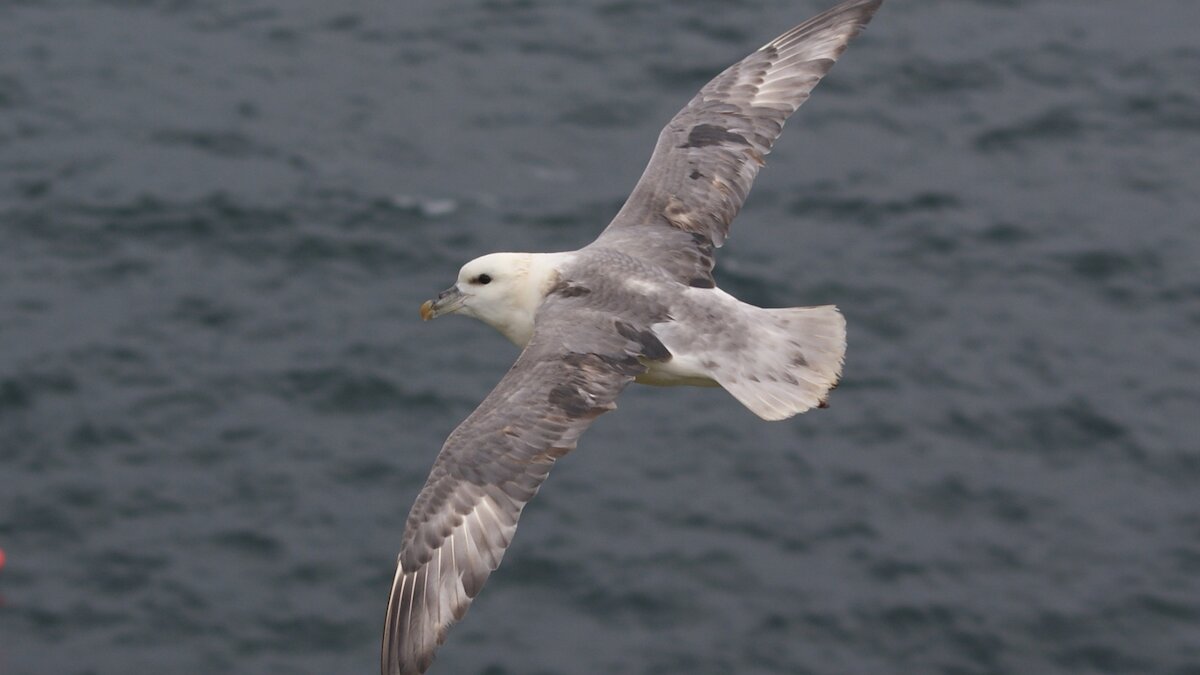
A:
(792, 361)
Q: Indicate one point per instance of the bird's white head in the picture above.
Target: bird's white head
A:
(503, 290)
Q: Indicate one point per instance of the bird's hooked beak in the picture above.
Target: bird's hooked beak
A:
(448, 301)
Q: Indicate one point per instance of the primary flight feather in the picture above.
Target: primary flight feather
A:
(637, 304)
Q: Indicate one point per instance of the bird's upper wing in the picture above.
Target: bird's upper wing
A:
(709, 153)
(491, 465)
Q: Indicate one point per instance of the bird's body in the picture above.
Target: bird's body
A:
(777, 362)
(637, 304)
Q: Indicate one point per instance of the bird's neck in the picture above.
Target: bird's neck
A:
(541, 274)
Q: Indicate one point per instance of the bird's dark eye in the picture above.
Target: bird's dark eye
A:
(484, 279)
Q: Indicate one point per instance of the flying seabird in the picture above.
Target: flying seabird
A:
(638, 304)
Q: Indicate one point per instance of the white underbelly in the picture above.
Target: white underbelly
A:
(678, 372)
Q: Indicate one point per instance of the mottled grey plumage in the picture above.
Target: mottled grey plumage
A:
(639, 302)
(492, 464)
(708, 155)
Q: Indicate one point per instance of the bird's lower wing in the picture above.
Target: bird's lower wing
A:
(491, 465)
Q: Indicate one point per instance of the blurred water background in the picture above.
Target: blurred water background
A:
(217, 403)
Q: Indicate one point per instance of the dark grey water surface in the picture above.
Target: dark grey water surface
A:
(217, 220)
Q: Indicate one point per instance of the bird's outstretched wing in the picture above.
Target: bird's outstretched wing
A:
(709, 153)
(571, 372)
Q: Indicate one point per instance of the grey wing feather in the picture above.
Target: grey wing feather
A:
(572, 370)
(709, 153)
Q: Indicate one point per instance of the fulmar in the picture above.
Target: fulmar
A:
(638, 304)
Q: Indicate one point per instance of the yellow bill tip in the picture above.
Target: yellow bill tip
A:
(427, 310)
